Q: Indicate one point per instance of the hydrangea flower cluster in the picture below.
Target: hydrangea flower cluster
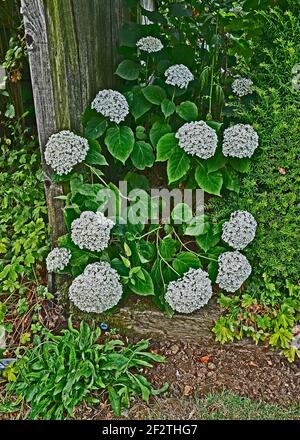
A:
(97, 289)
(91, 231)
(242, 86)
(111, 104)
(179, 75)
(234, 269)
(58, 259)
(198, 139)
(189, 293)
(240, 140)
(64, 150)
(240, 230)
(295, 342)
(150, 44)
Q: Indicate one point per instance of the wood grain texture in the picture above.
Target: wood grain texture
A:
(72, 53)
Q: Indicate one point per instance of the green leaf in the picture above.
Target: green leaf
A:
(168, 248)
(158, 130)
(95, 127)
(165, 146)
(94, 156)
(167, 107)
(182, 213)
(142, 155)
(209, 182)
(231, 180)
(197, 226)
(184, 261)
(208, 240)
(120, 142)
(154, 94)
(178, 165)
(215, 163)
(129, 70)
(143, 287)
(138, 104)
(114, 400)
(215, 125)
(188, 111)
(241, 165)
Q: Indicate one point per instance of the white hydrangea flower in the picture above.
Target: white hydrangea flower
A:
(97, 289)
(150, 44)
(189, 293)
(111, 104)
(179, 75)
(64, 150)
(198, 139)
(58, 259)
(242, 86)
(234, 269)
(91, 231)
(295, 342)
(240, 230)
(240, 140)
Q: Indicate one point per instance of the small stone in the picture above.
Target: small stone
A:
(187, 390)
(174, 349)
(211, 366)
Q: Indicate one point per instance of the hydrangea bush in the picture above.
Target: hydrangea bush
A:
(155, 124)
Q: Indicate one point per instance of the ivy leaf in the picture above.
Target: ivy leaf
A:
(197, 226)
(188, 111)
(165, 146)
(168, 248)
(142, 155)
(182, 213)
(209, 182)
(168, 107)
(154, 94)
(241, 165)
(94, 156)
(95, 127)
(129, 70)
(143, 285)
(178, 165)
(158, 130)
(184, 261)
(120, 142)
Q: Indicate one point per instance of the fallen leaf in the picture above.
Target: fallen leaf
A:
(187, 390)
(204, 359)
(282, 171)
(252, 364)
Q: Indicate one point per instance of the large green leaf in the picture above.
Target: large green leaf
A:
(216, 162)
(241, 165)
(168, 107)
(182, 213)
(120, 142)
(129, 70)
(143, 284)
(94, 156)
(168, 248)
(188, 111)
(154, 94)
(231, 180)
(209, 182)
(178, 165)
(158, 130)
(142, 155)
(95, 127)
(165, 146)
(138, 104)
(184, 261)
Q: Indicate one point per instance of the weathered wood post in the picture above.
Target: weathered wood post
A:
(72, 54)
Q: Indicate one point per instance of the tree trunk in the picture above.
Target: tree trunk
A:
(72, 55)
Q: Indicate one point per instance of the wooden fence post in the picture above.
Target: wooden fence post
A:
(72, 55)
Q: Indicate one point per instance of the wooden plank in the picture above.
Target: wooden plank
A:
(72, 55)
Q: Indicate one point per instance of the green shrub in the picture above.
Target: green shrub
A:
(60, 372)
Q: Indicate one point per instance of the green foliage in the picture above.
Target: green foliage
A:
(60, 372)
(23, 227)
